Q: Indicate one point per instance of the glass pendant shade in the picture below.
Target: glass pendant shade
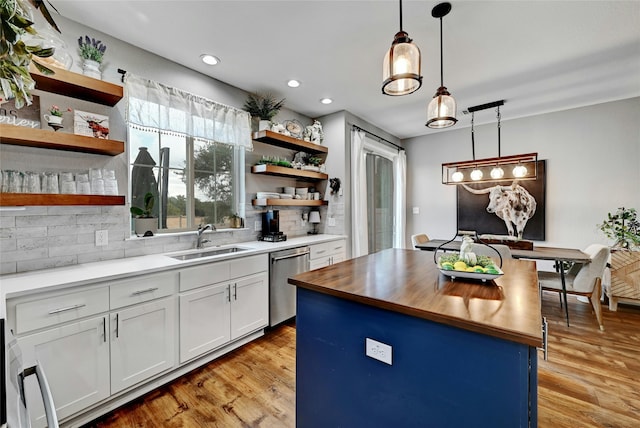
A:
(476, 175)
(520, 171)
(497, 173)
(401, 67)
(441, 112)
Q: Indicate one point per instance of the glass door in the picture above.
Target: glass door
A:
(380, 199)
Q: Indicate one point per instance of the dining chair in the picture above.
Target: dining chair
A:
(420, 238)
(582, 279)
(492, 251)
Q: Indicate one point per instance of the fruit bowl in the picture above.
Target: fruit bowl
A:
(484, 277)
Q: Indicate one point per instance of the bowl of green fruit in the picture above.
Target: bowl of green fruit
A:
(484, 269)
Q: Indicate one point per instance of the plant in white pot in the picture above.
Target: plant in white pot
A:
(92, 53)
(144, 223)
(262, 108)
(623, 227)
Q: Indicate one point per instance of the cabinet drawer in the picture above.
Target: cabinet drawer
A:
(248, 265)
(199, 276)
(60, 308)
(320, 250)
(142, 289)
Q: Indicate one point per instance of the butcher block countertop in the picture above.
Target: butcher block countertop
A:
(409, 282)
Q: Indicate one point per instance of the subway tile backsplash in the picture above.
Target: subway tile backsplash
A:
(46, 237)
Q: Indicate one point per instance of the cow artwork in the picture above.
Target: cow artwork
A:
(513, 204)
(504, 208)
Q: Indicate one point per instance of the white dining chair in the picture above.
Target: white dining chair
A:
(420, 238)
(582, 280)
(492, 251)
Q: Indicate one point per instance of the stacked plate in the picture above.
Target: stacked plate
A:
(302, 191)
(285, 196)
(268, 195)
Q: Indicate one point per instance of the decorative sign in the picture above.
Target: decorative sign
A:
(91, 124)
(28, 116)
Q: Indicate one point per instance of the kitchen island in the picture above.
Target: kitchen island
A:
(458, 352)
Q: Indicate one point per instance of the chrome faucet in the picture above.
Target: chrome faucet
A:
(200, 231)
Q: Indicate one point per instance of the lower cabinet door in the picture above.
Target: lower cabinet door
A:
(205, 322)
(75, 359)
(142, 342)
(249, 304)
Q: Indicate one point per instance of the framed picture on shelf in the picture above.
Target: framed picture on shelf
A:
(28, 116)
(91, 124)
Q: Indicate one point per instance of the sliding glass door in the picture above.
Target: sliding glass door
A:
(380, 198)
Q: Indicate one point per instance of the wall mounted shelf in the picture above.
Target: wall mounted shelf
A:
(41, 199)
(45, 139)
(281, 171)
(288, 202)
(76, 85)
(286, 142)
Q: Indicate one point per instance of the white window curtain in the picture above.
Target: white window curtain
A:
(156, 107)
(360, 146)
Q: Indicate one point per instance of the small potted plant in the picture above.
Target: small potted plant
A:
(91, 52)
(262, 108)
(236, 221)
(623, 227)
(54, 118)
(144, 223)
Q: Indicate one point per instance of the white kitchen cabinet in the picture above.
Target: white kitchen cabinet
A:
(75, 358)
(142, 342)
(232, 300)
(327, 253)
(205, 320)
(249, 304)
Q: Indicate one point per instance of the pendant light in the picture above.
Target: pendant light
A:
(441, 112)
(501, 168)
(401, 67)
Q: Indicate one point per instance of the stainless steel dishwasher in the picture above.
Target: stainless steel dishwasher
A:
(282, 295)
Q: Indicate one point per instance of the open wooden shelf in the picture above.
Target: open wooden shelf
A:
(288, 202)
(282, 171)
(286, 142)
(45, 139)
(75, 85)
(39, 199)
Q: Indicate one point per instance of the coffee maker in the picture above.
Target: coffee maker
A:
(271, 227)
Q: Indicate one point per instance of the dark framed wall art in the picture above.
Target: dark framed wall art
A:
(504, 208)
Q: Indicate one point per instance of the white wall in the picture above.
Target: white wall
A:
(593, 167)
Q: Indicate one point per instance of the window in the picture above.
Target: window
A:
(188, 152)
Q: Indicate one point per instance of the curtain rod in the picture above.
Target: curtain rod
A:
(378, 137)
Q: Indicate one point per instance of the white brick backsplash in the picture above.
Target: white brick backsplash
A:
(73, 210)
(8, 221)
(69, 230)
(7, 245)
(99, 219)
(47, 263)
(143, 251)
(19, 255)
(6, 268)
(23, 212)
(45, 220)
(8, 232)
(100, 256)
(61, 240)
(26, 244)
(72, 249)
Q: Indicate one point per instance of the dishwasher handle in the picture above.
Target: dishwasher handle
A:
(45, 391)
(290, 256)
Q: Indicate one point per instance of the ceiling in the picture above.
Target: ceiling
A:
(539, 56)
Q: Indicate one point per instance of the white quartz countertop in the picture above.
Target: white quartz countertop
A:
(18, 284)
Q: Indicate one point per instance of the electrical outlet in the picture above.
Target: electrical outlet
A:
(257, 226)
(332, 221)
(378, 351)
(102, 238)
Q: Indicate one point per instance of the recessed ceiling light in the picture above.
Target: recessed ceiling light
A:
(209, 59)
(326, 100)
(293, 83)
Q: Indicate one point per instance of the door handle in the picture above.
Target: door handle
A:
(148, 290)
(275, 259)
(235, 291)
(104, 329)
(45, 391)
(117, 326)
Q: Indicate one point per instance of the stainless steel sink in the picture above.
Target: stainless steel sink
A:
(209, 253)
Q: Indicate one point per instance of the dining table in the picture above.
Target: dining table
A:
(558, 255)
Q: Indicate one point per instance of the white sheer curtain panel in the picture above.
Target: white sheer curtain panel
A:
(359, 237)
(160, 108)
(400, 206)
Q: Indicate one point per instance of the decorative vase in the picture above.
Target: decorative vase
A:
(91, 68)
(145, 226)
(54, 121)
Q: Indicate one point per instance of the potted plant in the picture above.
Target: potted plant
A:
(91, 52)
(236, 221)
(16, 55)
(54, 118)
(144, 223)
(262, 108)
(623, 227)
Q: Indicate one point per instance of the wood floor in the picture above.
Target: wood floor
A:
(592, 379)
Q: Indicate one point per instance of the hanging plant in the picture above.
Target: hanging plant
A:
(15, 56)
